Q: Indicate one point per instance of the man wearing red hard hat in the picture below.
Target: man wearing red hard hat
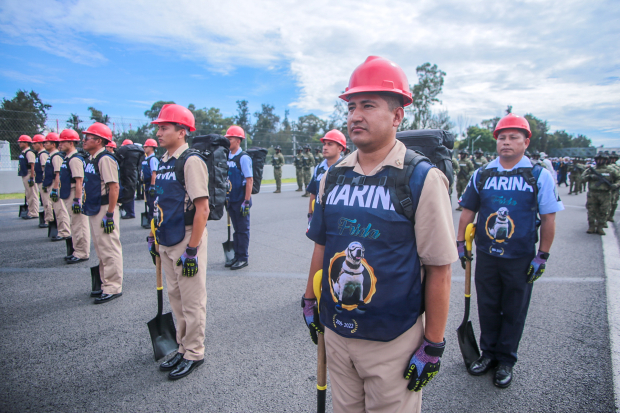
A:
(26, 161)
(372, 254)
(51, 184)
(334, 143)
(102, 189)
(180, 219)
(507, 263)
(42, 156)
(71, 193)
(148, 174)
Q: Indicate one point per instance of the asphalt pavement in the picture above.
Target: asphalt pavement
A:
(61, 353)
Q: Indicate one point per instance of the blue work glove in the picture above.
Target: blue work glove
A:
(424, 365)
(54, 195)
(107, 223)
(76, 207)
(245, 208)
(151, 241)
(460, 247)
(152, 191)
(189, 261)
(537, 266)
(309, 218)
(31, 182)
(311, 317)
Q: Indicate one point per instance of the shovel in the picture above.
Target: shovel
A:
(465, 332)
(163, 332)
(321, 360)
(144, 218)
(229, 249)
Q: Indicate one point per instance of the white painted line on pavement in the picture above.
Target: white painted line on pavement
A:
(545, 280)
(19, 203)
(611, 256)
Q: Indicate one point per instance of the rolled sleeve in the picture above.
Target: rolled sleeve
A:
(77, 167)
(246, 166)
(548, 199)
(434, 229)
(30, 157)
(196, 178)
(108, 170)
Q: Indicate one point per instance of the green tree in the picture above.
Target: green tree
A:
(309, 128)
(156, 108)
(98, 116)
(266, 125)
(25, 114)
(540, 130)
(425, 92)
(243, 117)
(74, 122)
(338, 117)
(210, 120)
(486, 142)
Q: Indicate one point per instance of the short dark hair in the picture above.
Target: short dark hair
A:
(393, 100)
(178, 127)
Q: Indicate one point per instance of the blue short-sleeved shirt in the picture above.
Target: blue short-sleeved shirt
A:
(315, 182)
(153, 164)
(245, 162)
(548, 198)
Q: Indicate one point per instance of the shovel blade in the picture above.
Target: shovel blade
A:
(23, 210)
(52, 229)
(144, 220)
(467, 343)
(229, 251)
(163, 335)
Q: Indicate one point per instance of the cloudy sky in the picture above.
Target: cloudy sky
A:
(559, 60)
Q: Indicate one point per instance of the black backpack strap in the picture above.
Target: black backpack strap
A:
(179, 172)
(404, 201)
(237, 160)
(105, 199)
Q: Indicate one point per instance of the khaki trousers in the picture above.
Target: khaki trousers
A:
(79, 229)
(109, 251)
(32, 197)
(367, 376)
(63, 221)
(188, 296)
(47, 203)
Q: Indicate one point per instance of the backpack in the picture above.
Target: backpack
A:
(130, 159)
(404, 201)
(435, 144)
(213, 149)
(258, 156)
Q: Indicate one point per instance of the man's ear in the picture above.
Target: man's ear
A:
(399, 115)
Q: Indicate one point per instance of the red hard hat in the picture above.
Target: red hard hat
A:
(173, 113)
(100, 130)
(235, 131)
(52, 137)
(127, 142)
(377, 74)
(512, 121)
(151, 142)
(25, 138)
(38, 138)
(69, 135)
(111, 144)
(336, 136)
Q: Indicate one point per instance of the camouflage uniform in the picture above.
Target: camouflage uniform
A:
(318, 156)
(308, 166)
(575, 178)
(466, 169)
(299, 172)
(599, 195)
(277, 161)
(479, 159)
(615, 194)
(455, 169)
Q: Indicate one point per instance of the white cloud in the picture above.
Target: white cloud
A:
(556, 59)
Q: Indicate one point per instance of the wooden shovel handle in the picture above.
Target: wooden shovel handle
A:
(160, 281)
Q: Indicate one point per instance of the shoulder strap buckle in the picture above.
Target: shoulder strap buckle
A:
(356, 181)
(340, 180)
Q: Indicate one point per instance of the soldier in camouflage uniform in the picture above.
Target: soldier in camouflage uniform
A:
(455, 169)
(466, 169)
(575, 170)
(318, 155)
(601, 182)
(615, 194)
(277, 161)
(479, 160)
(308, 166)
(299, 171)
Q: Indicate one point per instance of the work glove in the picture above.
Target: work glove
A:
(537, 266)
(76, 207)
(154, 254)
(45, 189)
(107, 223)
(152, 191)
(311, 317)
(31, 182)
(245, 208)
(54, 195)
(460, 247)
(309, 218)
(189, 261)
(424, 365)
